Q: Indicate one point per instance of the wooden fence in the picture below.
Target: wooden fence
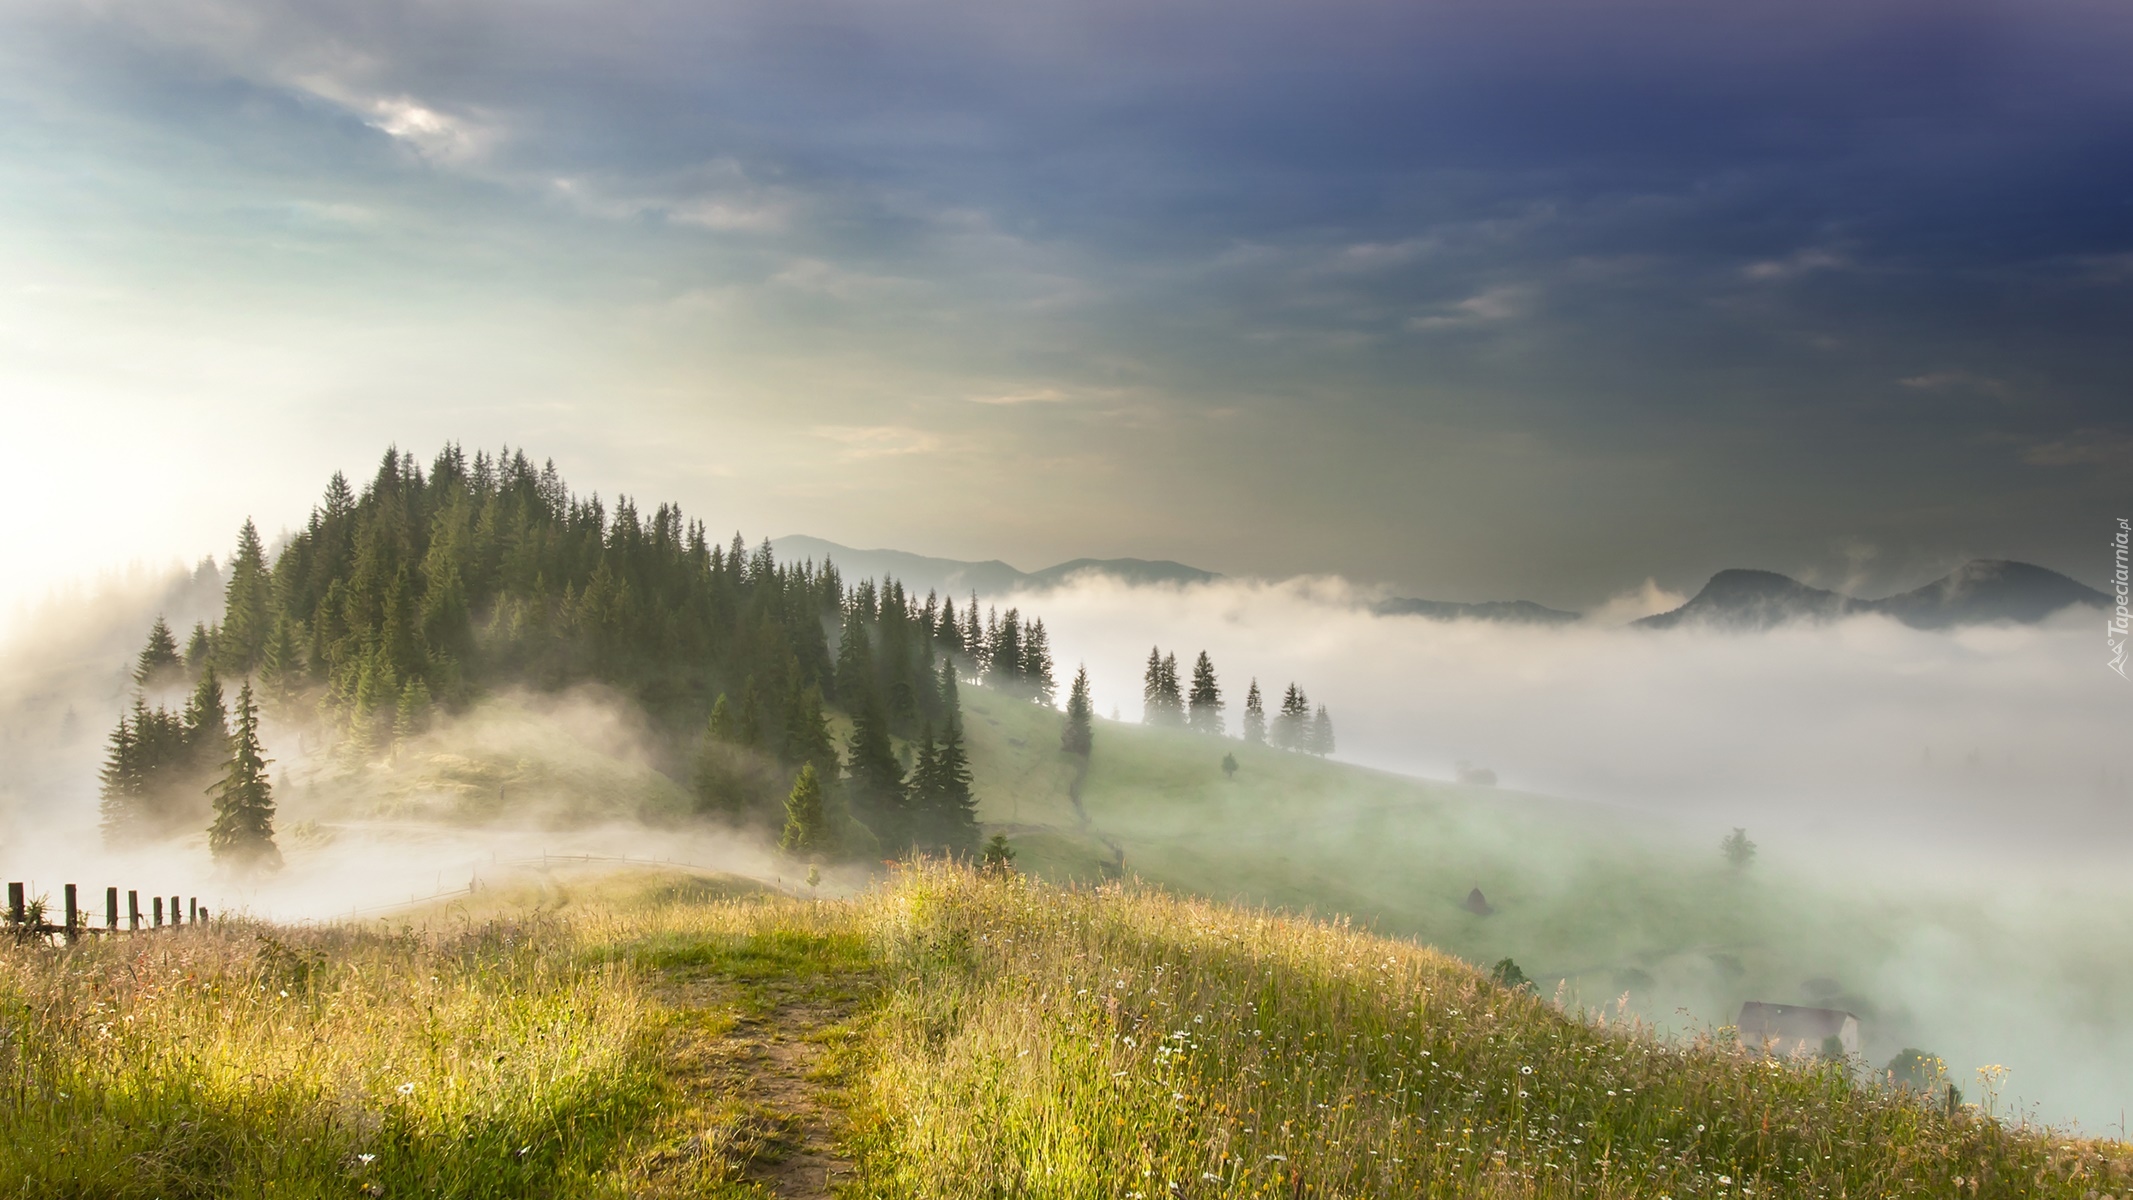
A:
(28, 919)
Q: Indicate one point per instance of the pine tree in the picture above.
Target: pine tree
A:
(1322, 733)
(242, 835)
(806, 823)
(926, 796)
(877, 778)
(1292, 723)
(281, 661)
(1168, 693)
(200, 648)
(748, 723)
(1254, 716)
(1152, 687)
(724, 725)
(159, 662)
(1003, 654)
(248, 605)
(120, 804)
(1206, 698)
(1079, 734)
(955, 808)
(807, 734)
(1037, 663)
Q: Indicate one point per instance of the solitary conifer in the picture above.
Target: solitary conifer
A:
(1254, 716)
(1206, 697)
(805, 829)
(1292, 725)
(242, 835)
(1079, 734)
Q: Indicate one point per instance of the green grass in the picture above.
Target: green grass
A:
(1599, 903)
(969, 1035)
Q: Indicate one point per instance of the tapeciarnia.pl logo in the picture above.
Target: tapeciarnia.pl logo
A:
(2120, 620)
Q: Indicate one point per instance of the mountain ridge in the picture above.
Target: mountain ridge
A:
(1980, 592)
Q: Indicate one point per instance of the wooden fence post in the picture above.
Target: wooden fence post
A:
(159, 913)
(14, 904)
(173, 912)
(73, 913)
(133, 910)
(111, 909)
(192, 910)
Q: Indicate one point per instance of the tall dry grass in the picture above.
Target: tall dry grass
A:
(1124, 1043)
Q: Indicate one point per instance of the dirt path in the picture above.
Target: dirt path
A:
(754, 1071)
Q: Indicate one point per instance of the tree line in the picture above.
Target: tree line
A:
(1165, 700)
(410, 596)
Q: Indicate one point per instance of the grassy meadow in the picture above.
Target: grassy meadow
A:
(1602, 905)
(947, 1034)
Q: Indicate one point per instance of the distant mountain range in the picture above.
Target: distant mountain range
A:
(954, 577)
(1522, 612)
(1979, 592)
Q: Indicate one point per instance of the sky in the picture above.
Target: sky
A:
(1524, 298)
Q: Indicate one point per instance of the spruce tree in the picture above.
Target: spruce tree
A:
(1322, 733)
(955, 807)
(1292, 723)
(1254, 716)
(1152, 688)
(807, 734)
(925, 795)
(1206, 698)
(1079, 734)
(1037, 663)
(877, 778)
(199, 648)
(1003, 655)
(724, 726)
(806, 819)
(120, 804)
(281, 661)
(159, 662)
(748, 723)
(1169, 698)
(242, 834)
(248, 606)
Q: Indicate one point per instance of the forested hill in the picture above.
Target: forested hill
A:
(426, 587)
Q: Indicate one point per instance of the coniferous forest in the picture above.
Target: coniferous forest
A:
(405, 600)
(411, 596)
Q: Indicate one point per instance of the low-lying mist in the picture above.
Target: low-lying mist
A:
(517, 777)
(1942, 816)
(2005, 739)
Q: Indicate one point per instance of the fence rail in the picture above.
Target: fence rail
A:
(33, 919)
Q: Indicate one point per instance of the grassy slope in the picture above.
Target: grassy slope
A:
(947, 1035)
(1598, 901)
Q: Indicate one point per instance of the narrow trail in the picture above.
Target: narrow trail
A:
(753, 1065)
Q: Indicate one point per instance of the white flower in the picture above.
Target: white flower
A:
(1725, 1181)
(1525, 1070)
(366, 1159)
(407, 1089)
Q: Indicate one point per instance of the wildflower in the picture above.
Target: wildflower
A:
(366, 1159)
(1525, 1070)
(1725, 1181)
(407, 1089)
